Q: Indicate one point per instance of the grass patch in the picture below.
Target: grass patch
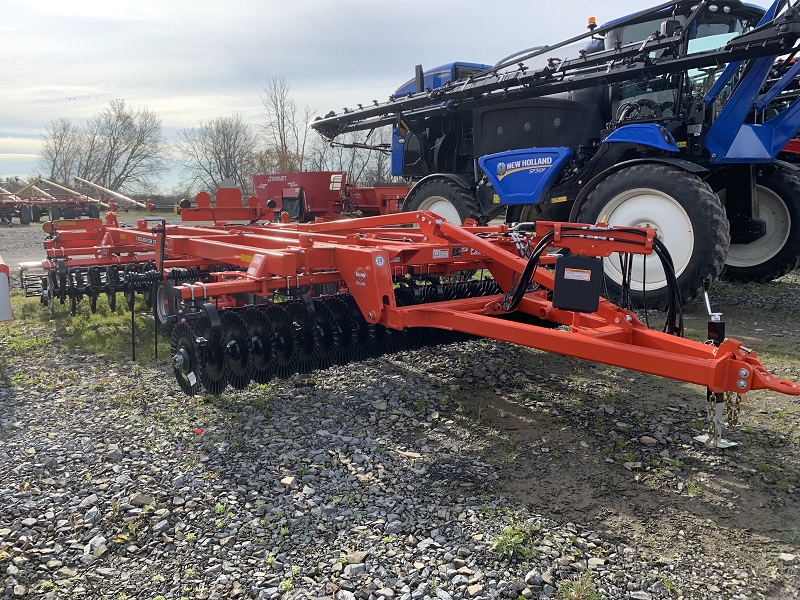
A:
(580, 588)
(516, 542)
(104, 332)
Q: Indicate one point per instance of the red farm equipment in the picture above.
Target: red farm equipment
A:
(326, 194)
(267, 300)
(116, 200)
(31, 202)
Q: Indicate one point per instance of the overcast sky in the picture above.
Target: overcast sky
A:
(197, 60)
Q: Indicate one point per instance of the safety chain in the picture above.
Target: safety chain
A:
(732, 408)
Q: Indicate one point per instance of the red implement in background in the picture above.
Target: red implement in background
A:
(307, 196)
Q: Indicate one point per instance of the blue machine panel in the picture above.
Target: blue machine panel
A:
(524, 176)
(645, 134)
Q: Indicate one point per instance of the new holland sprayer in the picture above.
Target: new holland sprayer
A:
(671, 117)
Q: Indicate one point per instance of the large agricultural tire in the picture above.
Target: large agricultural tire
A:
(94, 212)
(54, 213)
(445, 198)
(688, 217)
(36, 214)
(777, 252)
(25, 214)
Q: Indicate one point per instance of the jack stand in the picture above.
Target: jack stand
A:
(716, 420)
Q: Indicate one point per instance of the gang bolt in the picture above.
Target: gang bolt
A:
(744, 373)
(741, 384)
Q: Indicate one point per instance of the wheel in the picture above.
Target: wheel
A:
(778, 251)
(327, 335)
(523, 213)
(211, 357)
(262, 342)
(284, 349)
(184, 358)
(25, 214)
(94, 211)
(445, 198)
(238, 364)
(306, 338)
(163, 307)
(36, 214)
(688, 217)
(346, 327)
(54, 213)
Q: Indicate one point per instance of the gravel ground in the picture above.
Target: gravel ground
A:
(474, 470)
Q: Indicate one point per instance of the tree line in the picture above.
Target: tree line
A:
(124, 147)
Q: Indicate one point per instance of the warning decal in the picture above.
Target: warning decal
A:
(578, 274)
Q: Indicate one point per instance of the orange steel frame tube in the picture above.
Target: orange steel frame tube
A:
(366, 253)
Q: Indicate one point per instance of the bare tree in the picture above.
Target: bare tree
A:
(120, 146)
(286, 128)
(216, 149)
(59, 157)
(355, 154)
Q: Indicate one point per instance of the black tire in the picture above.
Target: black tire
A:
(36, 214)
(523, 213)
(778, 252)
(445, 198)
(54, 213)
(688, 216)
(94, 212)
(25, 214)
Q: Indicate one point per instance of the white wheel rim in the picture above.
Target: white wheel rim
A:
(162, 308)
(442, 207)
(772, 210)
(644, 207)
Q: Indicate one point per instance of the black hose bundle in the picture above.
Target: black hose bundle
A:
(674, 321)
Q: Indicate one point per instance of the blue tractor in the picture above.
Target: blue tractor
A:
(670, 118)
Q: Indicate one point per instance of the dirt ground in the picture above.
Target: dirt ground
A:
(615, 449)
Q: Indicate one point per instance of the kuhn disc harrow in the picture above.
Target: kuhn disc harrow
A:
(254, 302)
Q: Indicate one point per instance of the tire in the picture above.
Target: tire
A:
(164, 306)
(778, 252)
(688, 217)
(36, 214)
(94, 212)
(25, 214)
(445, 198)
(54, 213)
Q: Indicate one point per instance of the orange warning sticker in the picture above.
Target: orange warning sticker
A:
(578, 274)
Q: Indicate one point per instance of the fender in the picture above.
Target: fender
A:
(457, 179)
(580, 199)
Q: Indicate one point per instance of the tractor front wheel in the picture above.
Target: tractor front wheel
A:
(688, 218)
(445, 198)
(778, 251)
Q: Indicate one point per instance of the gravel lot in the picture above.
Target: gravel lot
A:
(473, 470)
